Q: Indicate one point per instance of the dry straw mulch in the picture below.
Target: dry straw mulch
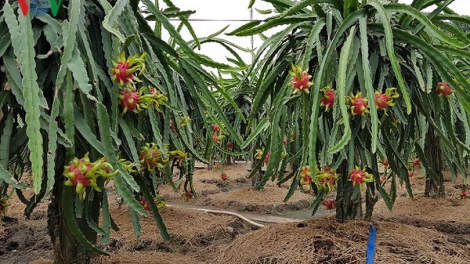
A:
(327, 242)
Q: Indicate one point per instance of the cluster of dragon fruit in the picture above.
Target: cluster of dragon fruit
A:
(359, 106)
(83, 173)
(125, 72)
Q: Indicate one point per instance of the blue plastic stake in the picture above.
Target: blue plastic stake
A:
(371, 245)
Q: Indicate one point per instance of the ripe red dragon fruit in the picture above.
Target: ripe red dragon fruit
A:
(284, 141)
(229, 145)
(268, 156)
(463, 195)
(410, 174)
(443, 89)
(215, 128)
(385, 163)
(416, 162)
(124, 70)
(305, 176)
(129, 99)
(329, 203)
(215, 138)
(300, 79)
(83, 173)
(145, 204)
(77, 171)
(224, 177)
(121, 73)
(328, 98)
(358, 176)
(358, 105)
(381, 101)
(384, 100)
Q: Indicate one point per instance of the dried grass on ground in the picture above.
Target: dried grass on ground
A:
(327, 242)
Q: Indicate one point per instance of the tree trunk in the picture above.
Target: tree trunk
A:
(347, 207)
(210, 164)
(371, 200)
(256, 179)
(66, 249)
(228, 161)
(434, 185)
(65, 245)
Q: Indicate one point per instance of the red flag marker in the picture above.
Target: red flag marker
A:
(24, 6)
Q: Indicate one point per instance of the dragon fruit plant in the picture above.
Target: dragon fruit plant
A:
(443, 89)
(325, 179)
(388, 71)
(64, 85)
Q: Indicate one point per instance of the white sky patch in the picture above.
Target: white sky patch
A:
(220, 10)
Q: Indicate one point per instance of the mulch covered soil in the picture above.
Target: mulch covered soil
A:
(419, 230)
(325, 241)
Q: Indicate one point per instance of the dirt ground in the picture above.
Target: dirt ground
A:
(418, 230)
